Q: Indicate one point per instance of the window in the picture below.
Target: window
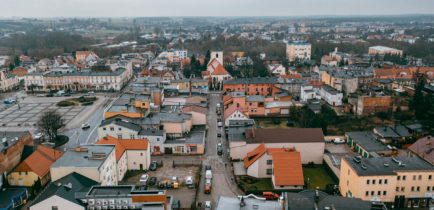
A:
(348, 182)
(19, 173)
(348, 171)
(141, 154)
(414, 177)
(104, 129)
(427, 188)
(418, 188)
(367, 181)
(269, 171)
(403, 178)
(158, 139)
(372, 193)
(119, 136)
(380, 181)
(379, 192)
(120, 129)
(54, 208)
(373, 181)
(384, 192)
(429, 177)
(402, 189)
(398, 178)
(269, 162)
(112, 128)
(397, 189)
(420, 177)
(366, 193)
(132, 136)
(412, 189)
(385, 181)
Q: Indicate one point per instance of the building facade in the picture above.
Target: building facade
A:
(298, 51)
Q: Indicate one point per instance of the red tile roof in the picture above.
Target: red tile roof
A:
(424, 148)
(124, 144)
(316, 83)
(291, 76)
(195, 108)
(40, 161)
(254, 155)
(287, 169)
(219, 70)
(232, 108)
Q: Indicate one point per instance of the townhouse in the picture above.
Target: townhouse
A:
(8, 81)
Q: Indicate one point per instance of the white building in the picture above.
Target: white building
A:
(182, 54)
(331, 95)
(307, 92)
(8, 81)
(276, 69)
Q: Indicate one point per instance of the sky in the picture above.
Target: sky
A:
(146, 8)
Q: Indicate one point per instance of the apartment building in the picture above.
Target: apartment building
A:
(97, 162)
(398, 181)
(330, 95)
(382, 50)
(371, 104)
(298, 51)
(8, 81)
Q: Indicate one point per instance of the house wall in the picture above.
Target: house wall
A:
(124, 132)
(28, 178)
(198, 118)
(12, 156)
(137, 157)
(156, 143)
(309, 152)
(237, 115)
(60, 203)
(122, 166)
(372, 105)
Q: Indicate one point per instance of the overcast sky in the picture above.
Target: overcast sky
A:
(143, 8)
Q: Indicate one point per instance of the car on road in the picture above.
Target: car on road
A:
(85, 95)
(66, 95)
(219, 149)
(40, 95)
(207, 167)
(144, 178)
(38, 136)
(207, 204)
(91, 92)
(270, 195)
(153, 180)
(49, 95)
(219, 135)
(338, 141)
(220, 124)
(85, 126)
(154, 166)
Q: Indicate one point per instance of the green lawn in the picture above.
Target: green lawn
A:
(260, 184)
(318, 176)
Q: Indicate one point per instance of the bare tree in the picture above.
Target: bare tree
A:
(49, 123)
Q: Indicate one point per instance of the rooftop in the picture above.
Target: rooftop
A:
(251, 202)
(287, 168)
(424, 148)
(284, 135)
(196, 137)
(84, 157)
(9, 138)
(40, 161)
(367, 140)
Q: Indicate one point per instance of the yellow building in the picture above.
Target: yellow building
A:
(298, 51)
(398, 181)
(34, 167)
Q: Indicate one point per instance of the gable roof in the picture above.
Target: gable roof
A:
(254, 155)
(194, 108)
(78, 183)
(232, 108)
(424, 148)
(40, 161)
(284, 135)
(219, 70)
(124, 144)
(287, 168)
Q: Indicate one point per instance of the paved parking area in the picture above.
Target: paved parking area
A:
(27, 114)
(338, 148)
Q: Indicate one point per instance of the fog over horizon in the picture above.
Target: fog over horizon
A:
(151, 8)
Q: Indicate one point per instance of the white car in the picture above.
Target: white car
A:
(91, 92)
(144, 178)
(38, 136)
(338, 141)
(207, 204)
(85, 126)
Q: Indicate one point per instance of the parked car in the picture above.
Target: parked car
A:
(219, 135)
(49, 95)
(85, 126)
(219, 149)
(154, 166)
(85, 95)
(40, 95)
(144, 178)
(38, 136)
(66, 95)
(174, 179)
(207, 204)
(270, 195)
(162, 184)
(338, 141)
(153, 180)
(220, 124)
(91, 92)
(189, 182)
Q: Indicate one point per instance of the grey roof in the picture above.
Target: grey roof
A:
(197, 137)
(232, 203)
(388, 165)
(417, 127)
(241, 122)
(255, 98)
(273, 104)
(238, 133)
(386, 132)
(254, 80)
(173, 117)
(238, 94)
(329, 89)
(7, 196)
(116, 72)
(79, 183)
(81, 159)
(11, 138)
(122, 123)
(402, 131)
(305, 200)
(151, 132)
(367, 140)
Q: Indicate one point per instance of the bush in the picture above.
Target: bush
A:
(65, 103)
(61, 140)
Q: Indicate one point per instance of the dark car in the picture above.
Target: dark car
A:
(207, 167)
(153, 180)
(162, 185)
(67, 95)
(219, 135)
(154, 166)
(49, 95)
(219, 149)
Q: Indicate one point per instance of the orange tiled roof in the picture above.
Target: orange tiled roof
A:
(254, 155)
(287, 168)
(316, 83)
(291, 76)
(40, 161)
(124, 144)
(220, 70)
(232, 108)
(270, 151)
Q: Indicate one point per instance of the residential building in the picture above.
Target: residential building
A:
(35, 167)
(395, 134)
(8, 81)
(307, 92)
(198, 114)
(130, 105)
(276, 69)
(125, 197)
(191, 144)
(131, 154)
(61, 194)
(235, 112)
(398, 181)
(300, 51)
(13, 198)
(382, 50)
(308, 141)
(366, 144)
(97, 162)
(311, 199)
(11, 150)
(85, 56)
(371, 104)
(330, 95)
(252, 86)
(423, 148)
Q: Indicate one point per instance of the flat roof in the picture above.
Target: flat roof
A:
(233, 203)
(284, 135)
(81, 159)
(367, 140)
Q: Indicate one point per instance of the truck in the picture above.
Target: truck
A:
(208, 183)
